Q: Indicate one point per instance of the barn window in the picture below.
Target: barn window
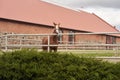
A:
(71, 37)
(110, 40)
(114, 40)
(60, 36)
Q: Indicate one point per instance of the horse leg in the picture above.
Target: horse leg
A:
(44, 48)
(50, 49)
(55, 49)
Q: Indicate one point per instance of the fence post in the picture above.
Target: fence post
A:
(0, 42)
(6, 42)
(48, 43)
(20, 42)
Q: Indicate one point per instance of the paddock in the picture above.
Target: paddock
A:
(18, 41)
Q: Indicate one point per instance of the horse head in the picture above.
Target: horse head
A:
(56, 26)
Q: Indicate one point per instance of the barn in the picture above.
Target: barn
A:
(37, 17)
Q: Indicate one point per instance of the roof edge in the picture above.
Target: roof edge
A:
(25, 22)
(105, 22)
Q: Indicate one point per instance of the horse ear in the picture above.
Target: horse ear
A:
(54, 23)
(59, 24)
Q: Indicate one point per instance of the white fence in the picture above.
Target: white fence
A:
(17, 41)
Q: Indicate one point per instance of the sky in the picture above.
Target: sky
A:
(109, 10)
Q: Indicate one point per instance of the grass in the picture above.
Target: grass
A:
(90, 53)
(1, 52)
(93, 53)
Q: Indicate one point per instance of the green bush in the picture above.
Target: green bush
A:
(29, 64)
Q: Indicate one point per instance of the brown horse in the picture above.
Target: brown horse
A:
(53, 39)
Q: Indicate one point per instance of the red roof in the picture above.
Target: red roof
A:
(39, 12)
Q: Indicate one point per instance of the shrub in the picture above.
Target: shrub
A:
(29, 64)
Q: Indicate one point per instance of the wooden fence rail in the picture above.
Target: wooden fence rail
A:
(11, 41)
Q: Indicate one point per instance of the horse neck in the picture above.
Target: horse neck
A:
(54, 37)
(54, 31)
